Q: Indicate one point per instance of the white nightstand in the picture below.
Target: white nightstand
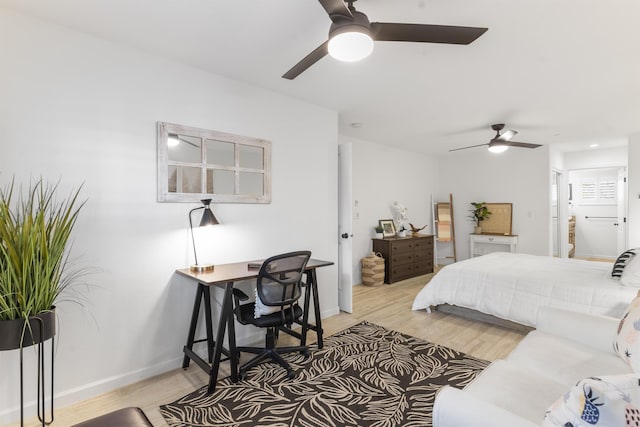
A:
(486, 243)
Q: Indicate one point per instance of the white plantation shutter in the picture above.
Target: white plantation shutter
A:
(607, 189)
(588, 190)
(601, 190)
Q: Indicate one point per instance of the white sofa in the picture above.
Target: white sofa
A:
(565, 348)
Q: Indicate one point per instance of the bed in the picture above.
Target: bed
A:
(511, 287)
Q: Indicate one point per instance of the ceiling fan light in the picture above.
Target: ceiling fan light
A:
(351, 46)
(498, 147)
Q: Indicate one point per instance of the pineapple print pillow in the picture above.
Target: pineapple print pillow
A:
(627, 342)
(609, 401)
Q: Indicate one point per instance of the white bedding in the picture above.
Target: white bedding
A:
(513, 286)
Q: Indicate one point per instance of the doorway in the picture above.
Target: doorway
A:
(557, 236)
(597, 201)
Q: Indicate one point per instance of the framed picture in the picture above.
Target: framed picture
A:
(388, 228)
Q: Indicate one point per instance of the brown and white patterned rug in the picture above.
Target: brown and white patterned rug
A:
(364, 376)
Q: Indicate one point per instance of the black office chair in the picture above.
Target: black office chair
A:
(278, 285)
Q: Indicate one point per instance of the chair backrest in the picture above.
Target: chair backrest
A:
(280, 278)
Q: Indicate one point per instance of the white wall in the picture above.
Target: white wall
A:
(518, 176)
(633, 180)
(383, 175)
(597, 158)
(83, 110)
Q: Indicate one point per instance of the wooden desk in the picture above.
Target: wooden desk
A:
(224, 276)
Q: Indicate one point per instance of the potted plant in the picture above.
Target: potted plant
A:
(479, 213)
(379, 231)
(34, 252)
(402, 232)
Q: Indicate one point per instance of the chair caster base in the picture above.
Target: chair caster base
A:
(290, 374)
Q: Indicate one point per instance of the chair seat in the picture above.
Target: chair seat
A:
(247, 315)
(126, 417)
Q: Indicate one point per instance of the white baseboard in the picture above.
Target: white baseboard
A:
(87, 391)
(96, 388)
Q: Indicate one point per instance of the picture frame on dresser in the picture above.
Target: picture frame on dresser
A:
(388, 227)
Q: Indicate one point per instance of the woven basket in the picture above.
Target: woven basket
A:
(373, 269)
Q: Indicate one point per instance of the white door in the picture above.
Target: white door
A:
(345, 267)
(622, 211)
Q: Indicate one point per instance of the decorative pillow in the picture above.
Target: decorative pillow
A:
(609, 401)
(631, 273)
(627, 342)
(261, 309)
(623, 260)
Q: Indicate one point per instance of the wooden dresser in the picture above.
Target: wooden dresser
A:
(405, 257)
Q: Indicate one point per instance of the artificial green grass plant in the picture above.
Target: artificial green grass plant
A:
(34, 259)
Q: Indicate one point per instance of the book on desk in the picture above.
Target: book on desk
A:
(256, 265)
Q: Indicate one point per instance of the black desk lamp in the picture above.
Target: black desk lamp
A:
(208, 218)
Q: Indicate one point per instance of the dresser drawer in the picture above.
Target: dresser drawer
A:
(486, 243)
(422, 268)
(423, 256)
(402, 258)
(399, 272)
(497, 239)
(402, 246)
(423, 245)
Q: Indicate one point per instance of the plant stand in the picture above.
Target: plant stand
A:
(41, 382)
(39, 330)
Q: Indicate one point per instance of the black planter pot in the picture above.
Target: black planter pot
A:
(14, 334)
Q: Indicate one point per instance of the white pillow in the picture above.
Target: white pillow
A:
(608, 401)
(261, 309)
(631, 273)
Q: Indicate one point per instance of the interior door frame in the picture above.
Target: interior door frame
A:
(623, 211)
(623, 204)
(345, 227)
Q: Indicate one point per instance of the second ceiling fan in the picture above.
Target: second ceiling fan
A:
(351, 35)
(501, 142)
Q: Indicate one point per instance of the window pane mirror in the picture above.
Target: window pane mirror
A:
(197, 163)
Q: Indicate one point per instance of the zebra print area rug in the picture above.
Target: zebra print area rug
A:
(364, 376)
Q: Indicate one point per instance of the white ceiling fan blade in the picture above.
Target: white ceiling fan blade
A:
(507, 135)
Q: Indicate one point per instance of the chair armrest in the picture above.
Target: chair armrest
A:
(456, 408)
(593, 330)
(240, 295)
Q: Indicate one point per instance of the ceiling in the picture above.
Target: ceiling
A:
(560, 72)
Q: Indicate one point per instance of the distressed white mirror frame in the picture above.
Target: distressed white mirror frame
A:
(214, 165)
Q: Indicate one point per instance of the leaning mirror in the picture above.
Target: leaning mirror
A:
(197, 163)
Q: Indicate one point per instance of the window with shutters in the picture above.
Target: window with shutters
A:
(599, 190)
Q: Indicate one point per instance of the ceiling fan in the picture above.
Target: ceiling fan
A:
(351, 35)
(501, 142)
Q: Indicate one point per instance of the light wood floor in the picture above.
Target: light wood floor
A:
(388, 306)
